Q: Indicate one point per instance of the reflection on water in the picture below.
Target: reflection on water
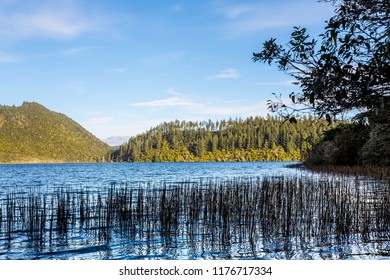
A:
(100, 175)
(265, 217)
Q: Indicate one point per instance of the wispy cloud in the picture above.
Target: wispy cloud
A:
(48, 23)
(200, 107)
(205, 109)
(117, 70)
(237, 10)
(179, 99)
(246, 19)
(163, 58)
(51, 19)
(6, 58)
(174, 92)
(76, 50)
(171, 101)
(225, 74)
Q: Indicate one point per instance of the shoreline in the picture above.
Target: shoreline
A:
(376, 172)
(48, 162)
(82, 162)
(370, 171)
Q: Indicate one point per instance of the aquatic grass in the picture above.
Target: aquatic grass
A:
(275, 213)
(375, 172)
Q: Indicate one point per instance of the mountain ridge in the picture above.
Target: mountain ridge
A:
(31, 133)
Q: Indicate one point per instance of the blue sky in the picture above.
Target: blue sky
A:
(122, 67)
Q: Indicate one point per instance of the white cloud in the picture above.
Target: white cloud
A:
(179, 100)
(117, 70)
(174, 92)
(51, 19)
(5, 58)
(76, 50)
(54, 23)
(189, 107)
(48, 23)
(237, 10)
(246, 19)
(171, 101)
(225, 74)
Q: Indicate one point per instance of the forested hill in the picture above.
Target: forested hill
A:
(32, 133)
(252, 139)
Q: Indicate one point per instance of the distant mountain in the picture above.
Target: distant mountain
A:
(116, 141)
(31, 133)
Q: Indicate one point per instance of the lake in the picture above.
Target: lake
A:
(103, 174)
(243, 210)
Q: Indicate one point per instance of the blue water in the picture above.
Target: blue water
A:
(24, 179)
(100, 175)
(86, 243)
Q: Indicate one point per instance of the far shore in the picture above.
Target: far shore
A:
(377, 172)
(45, 162)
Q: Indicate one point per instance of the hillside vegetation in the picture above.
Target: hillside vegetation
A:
(252, 139)
(32, 133)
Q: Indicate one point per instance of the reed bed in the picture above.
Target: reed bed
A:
(296, 213)
(375, 172)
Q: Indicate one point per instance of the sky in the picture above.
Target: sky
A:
(121, 67)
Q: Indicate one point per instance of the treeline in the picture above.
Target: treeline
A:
(252, 139)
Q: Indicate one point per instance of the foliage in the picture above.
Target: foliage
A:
(341, 145)
(32, 133)
(252, 139)
(376, 150)
(347, 71)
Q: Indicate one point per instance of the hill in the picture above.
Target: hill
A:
(31, 133)
(252, 139)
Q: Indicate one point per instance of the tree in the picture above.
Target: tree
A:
(346, 71)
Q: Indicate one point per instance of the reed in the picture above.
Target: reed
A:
(298, 213)
(376, 172)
